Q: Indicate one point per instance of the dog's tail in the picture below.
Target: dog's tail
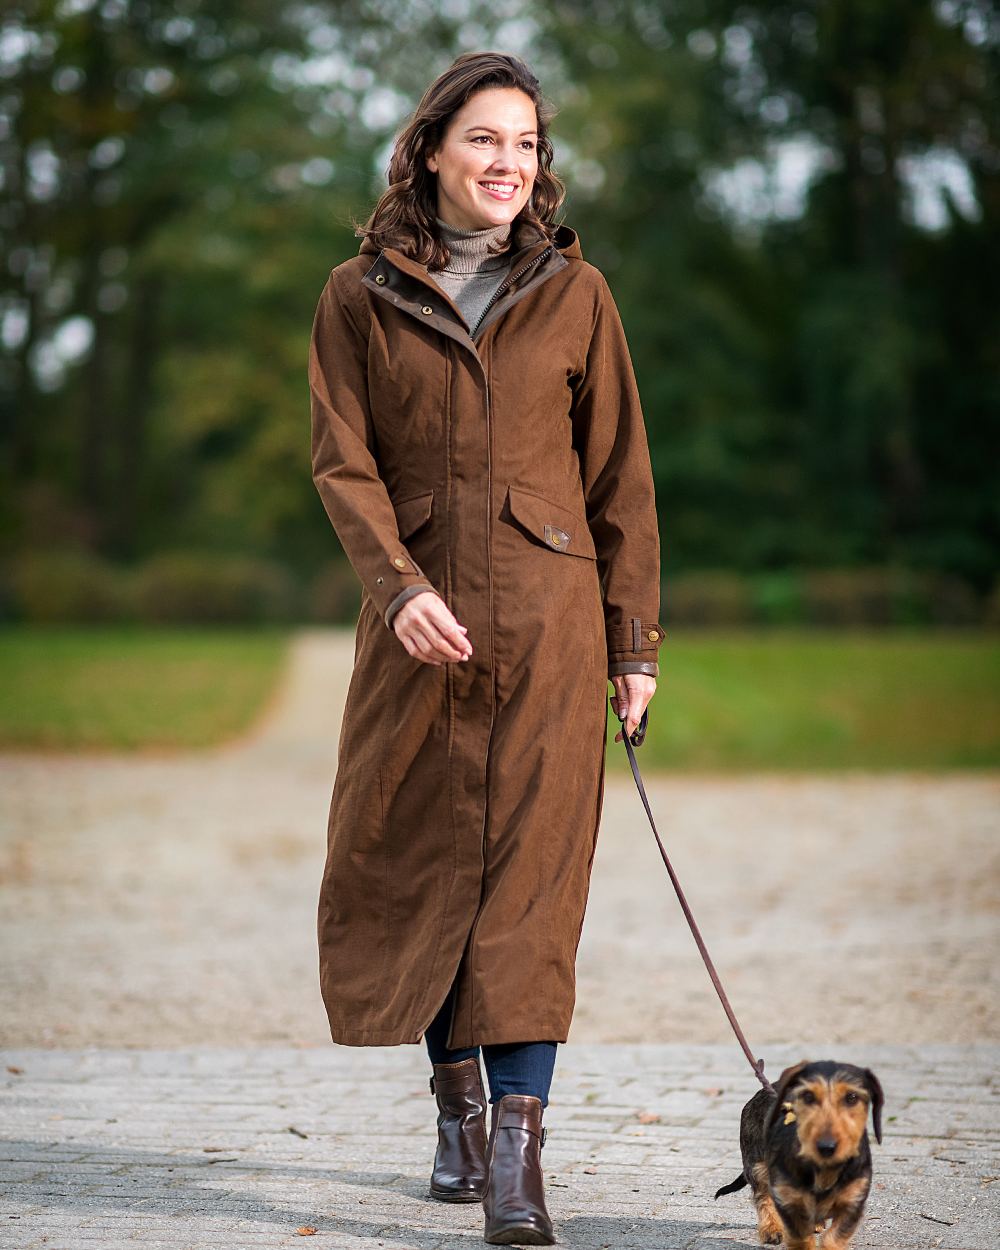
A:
(732, 1187)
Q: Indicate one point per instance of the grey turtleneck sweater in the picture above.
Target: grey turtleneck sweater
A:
(472, 274)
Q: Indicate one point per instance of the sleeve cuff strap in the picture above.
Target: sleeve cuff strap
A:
(650, 667)
(402, 598)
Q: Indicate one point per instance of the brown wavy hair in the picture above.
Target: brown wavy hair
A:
(404, 216)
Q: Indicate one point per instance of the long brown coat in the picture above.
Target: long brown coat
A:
(509, 473)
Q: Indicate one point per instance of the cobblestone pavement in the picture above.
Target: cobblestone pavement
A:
(166, 902)
(200, 1148)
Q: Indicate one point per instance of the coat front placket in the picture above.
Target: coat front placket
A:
(469, 506)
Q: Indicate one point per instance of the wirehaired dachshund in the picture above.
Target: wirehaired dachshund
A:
(806, 1156)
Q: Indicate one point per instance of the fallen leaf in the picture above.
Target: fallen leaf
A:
(591, 1171)
(11, 1068)
(647, 1117)
(306, 1231)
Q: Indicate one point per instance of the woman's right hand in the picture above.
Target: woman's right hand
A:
(428, 630)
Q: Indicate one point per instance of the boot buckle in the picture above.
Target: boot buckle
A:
(432, 1084)
(545, 1133)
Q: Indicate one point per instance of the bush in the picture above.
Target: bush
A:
(993, 607)
(888, 596)
(47, 587)
(879, 596)
(777, 598)
(334, 596)
(952, 601)
(874, 596)
(710, 598)
(198, 588)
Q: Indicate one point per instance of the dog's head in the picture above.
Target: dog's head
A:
(828, 1103)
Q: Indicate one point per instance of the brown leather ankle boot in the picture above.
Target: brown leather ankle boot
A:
(514, 1198)
(460, 1162)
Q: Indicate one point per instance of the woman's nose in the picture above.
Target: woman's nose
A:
(504, 162)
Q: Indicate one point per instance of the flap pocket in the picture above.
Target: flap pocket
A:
(555, 526)
(413, 512)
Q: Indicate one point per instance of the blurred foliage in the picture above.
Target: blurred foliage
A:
(189, 587)
(820, 372)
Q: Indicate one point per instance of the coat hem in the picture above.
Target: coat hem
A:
(487, 1037)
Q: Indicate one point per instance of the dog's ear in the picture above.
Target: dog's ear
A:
(875, 1090)
(784, 1081)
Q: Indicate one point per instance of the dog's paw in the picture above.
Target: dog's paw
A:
(770, 1232)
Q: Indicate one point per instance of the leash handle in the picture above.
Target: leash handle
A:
(638, 735)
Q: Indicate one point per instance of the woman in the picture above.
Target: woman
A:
(478, 444)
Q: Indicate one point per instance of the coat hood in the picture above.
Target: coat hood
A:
(567, 241)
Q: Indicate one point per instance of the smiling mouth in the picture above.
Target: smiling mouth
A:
(499, 190)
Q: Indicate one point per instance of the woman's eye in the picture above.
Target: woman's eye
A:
(525, 143)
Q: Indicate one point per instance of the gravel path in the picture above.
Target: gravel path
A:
(169, 900)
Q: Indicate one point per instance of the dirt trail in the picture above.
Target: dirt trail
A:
(170, 900)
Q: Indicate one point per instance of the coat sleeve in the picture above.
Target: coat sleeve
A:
(344, 468)
(610, 439)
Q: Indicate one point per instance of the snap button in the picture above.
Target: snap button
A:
(380, 278)
(427, 309)
(556, 537)
(399, 562)
(378, 581)
(652, 635)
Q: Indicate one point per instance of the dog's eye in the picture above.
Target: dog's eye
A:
(808, 1097)
(850, 1099)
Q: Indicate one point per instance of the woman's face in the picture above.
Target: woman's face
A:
(487, 160)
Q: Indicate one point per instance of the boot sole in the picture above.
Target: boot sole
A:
(519, 1236)
(456, 1195)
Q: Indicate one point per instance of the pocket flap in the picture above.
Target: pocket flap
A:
(413, 512)
(557, 527)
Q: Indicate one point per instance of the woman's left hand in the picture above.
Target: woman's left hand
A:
(632, 692)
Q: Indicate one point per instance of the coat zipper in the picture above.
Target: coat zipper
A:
(503, 285)
(489, 556)
(493, 666)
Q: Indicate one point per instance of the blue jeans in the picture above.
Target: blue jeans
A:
(511, 1067)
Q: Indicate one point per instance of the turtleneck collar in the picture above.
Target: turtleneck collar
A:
(469, 249)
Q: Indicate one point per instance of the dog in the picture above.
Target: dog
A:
(806, 1156)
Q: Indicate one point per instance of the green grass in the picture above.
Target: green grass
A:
(805, 700)
(739, 702)
(129, 688)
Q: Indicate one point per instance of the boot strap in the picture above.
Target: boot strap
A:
(463, 1075)
(510, 1118)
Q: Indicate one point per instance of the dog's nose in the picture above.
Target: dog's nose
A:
(826, 1146)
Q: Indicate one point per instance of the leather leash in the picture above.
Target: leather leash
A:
(638, 736)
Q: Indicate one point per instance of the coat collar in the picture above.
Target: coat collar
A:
(408, 284)
(524, 235)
